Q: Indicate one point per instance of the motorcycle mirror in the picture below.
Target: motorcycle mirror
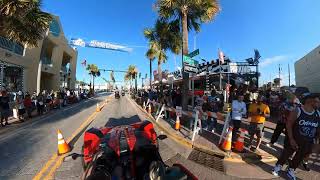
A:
(72, 156)
(162, 136)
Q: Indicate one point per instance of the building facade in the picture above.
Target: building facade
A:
(307, 71)
(49, 66)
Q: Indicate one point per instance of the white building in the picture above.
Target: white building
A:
(307, 71)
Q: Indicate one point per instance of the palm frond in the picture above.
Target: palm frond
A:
(23, 21)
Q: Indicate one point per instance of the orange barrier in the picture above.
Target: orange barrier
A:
(226, 145)
(239, 144)
(63, 147)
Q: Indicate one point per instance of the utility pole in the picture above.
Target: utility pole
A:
(289, 74)
(279, 76)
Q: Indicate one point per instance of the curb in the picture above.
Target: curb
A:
(233, 157)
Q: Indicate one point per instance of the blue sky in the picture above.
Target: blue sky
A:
(283, 31)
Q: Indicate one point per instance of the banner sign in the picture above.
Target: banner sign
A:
(98, 44)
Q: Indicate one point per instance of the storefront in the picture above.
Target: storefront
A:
(11, 77)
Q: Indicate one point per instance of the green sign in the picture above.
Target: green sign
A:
(189, 60)
(194, 53)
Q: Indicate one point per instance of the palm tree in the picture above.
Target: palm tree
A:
(131, 74)
(191, 14)
(93, 72)
(164, 36)
(23, 21)
(150, 56)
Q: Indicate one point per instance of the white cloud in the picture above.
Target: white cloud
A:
(272, 60)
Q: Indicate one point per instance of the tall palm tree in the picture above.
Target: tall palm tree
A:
(131, 74)
(94, 72)
(150, 56)
(191, 14)
(164, 36)
(23, 21)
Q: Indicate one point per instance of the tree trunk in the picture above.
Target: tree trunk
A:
(185, 88)
(185, 33)
(150, 74)
(160, 78)
(93, 84)
(136, 83)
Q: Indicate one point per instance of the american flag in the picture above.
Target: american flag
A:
(84, 63)
(221, 56)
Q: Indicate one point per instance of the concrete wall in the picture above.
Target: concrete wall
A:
(31, 58)
(307, 71)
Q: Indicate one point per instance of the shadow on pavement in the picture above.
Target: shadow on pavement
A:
(122, 121)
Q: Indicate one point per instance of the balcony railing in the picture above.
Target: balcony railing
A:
(11, 46)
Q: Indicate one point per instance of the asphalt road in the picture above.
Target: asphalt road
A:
(26, 147)
(28, 150)
(116, 112)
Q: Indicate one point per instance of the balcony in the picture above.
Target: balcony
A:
(11, 46)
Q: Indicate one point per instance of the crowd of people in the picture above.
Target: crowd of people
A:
(296, 116)
(22, 105)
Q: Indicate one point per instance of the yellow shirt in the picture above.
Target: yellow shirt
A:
(253, 108)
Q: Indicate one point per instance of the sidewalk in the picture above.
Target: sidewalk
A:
(257, 165)
(16, 122)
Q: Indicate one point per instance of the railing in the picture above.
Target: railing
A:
(11, 46)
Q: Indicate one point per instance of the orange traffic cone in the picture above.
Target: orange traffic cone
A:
(239, 145)
(226, 145)
(177, 126)
(63, 147)
(98, 108)
(149, 109)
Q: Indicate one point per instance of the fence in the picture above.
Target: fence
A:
(190, 120)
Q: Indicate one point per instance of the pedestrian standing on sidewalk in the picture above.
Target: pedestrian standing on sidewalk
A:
(34, 99)
(5, 108)
(285, 109)
(40, 104)
(20, 106)
(28, 104)
(238, 111)
(306, 157)
(258, 112)
(302, 128)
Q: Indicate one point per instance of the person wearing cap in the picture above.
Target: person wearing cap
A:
(258, 112)
(302, 128)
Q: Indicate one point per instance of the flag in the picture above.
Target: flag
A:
(221, 57)
(84, 63)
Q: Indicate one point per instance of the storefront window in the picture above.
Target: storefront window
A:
(11, 77)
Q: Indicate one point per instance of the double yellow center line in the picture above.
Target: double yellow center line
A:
(59, 159)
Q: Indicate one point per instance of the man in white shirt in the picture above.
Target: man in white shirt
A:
(238, 111)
